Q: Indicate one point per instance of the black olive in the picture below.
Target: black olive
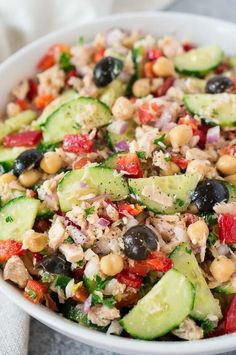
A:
(106, 70)
(56, 264)
(27, 160)
(138, 242)
(218, 84)
(208, 193)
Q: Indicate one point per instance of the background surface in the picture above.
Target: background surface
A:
(44, 341)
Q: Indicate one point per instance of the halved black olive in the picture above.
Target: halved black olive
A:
(208, 193)
(106, 70)
(218, 84)
(56, 264)
(27, 160)
(138, 242)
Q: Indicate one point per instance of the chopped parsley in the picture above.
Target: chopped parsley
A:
(160, 142)
(47, 148)
(212, 239)
(188, 250)
(76, 125)
(179, 202)
(167, 157)
(32, 294)
(210, 219)
(141, 154)
(207, 326)
(64, 62)
(70, 240)
(88, 211)
(45, 277)
(100, 283)
(9, 219)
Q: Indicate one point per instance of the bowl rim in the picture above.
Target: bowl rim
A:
(55, 321)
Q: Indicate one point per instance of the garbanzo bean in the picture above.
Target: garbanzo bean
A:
(123, 108)
(163, 67)
(7, 178)
(29, 178)
(111, 264)
(226, 164)
(35, 242)
(142, 87)
(222, 268)
(231, 179)
(180, 135)
(198, 232)
(171, 170)
(51, 162)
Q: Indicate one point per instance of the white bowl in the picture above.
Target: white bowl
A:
(199, 29)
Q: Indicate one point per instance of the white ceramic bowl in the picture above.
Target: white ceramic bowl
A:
(201, 30)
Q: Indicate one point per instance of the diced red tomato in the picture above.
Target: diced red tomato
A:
(81, 163)
(154, 53)
(77, 143)
(162, 90)
(33, 90)
(8, 248)
(130, 164)
(81, 295)
(54, 52)
(50, 303)
(23, 139)
(72, 73)
(190, 218)
(46, 62)
(129, 279)
(187, 46)
(125, 208)
(99, 55)
(189, 121)
(148, 72)
(156, 261)
(180, 161)
(230, 317)
(34, 291)
(31, 193)
(24, 105)
(43, 100)
(222, 68)
(227, 228)
(148, 112)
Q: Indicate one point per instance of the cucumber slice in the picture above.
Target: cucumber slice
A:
(17, 216)
(199, 61)
(53, 106)
(114, 90)
(98, 181)
(113, 138)
(111, 161)
(228, 288)
(185, 262)
(217, 108)
(175, 192)
(8, 155)
(13, 124)
(162, 309)
(84, 112)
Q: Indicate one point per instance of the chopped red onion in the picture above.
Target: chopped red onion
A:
(213, 134)
(164, 119)
(103, 222)
(87, 305)
(121, 146)
(119, 127)
(77, 235)
(223, 249)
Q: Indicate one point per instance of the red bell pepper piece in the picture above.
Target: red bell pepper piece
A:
(130, 164)
(24, 105)
(148, 112)
(77, 143)
(53, 53)
(23, 139)
(34, 291)
(180, 161)
(227, 228)
(125, 208)
(79, 164)
(8, 248)
(230, 317)
(43, 100)
(129, 279)
(154, 53)
(46, 62)
(99, 55)
(162, 90)
(156, 261)
(189, 121)
(148, 72)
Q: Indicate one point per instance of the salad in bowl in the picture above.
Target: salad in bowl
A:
(117, 186)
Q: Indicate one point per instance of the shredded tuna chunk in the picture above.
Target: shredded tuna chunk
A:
(188, 330)
(72, 252)
(21, 90)
(51, 81)
(47, 192)
(145, 136)
(57, 233)
(170, 46)
(102, 315)
(223, 208)
(16, 271)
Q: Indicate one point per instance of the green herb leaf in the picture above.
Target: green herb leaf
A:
(32, 294)
(109, 302)
(210, 219)
(45, 277)
(47, 148)
(9, 219)
(64, 62)
(89, 210)
(167, 157)
(212, 239)
(101, 283)
(160, 142)
(188, 250)
(70, 240)
(179, 202)
(207, 326)
(141, 154)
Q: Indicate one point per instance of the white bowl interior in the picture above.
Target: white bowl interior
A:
(201, 30)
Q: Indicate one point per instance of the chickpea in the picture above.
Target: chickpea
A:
(226, 164)
(123, 108)
(202, 167)
(180, 135)
(142, 87)
(231, 179)
(163, 67)
(7, 178)
(171, 170)
(111, 264)
(35, 242)
(29, 178)
(198, 232)
(222, 268)
(51, 162)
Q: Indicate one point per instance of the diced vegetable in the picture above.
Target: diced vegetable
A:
(227, 228)
(128, 163)
(77, 143)
(129, 279)
(156, 261)
(230, 318)
(9, 248)
(34, 291)
(23, 139)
